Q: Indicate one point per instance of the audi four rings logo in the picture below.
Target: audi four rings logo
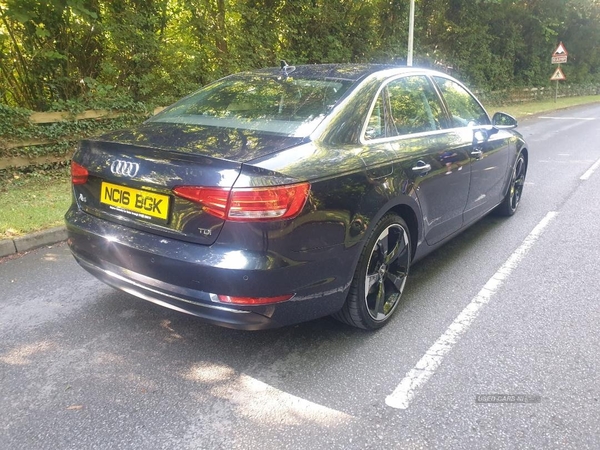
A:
(125, 168)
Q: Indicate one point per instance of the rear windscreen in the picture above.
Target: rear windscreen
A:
(281, 105)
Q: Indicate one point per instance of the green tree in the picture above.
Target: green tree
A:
(57, 51)
(47, 48)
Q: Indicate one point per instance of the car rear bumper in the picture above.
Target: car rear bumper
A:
(186, 277)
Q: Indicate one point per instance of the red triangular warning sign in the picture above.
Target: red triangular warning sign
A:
(560, 50)
(558, 75)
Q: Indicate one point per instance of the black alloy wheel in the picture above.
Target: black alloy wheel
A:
(380, 276)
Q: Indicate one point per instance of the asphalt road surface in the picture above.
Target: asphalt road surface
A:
(496, 344)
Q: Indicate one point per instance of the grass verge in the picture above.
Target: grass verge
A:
(33, 201)
(36, 201)
(522, 110)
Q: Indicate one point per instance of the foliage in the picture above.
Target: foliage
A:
(63, 53)
(13, 119)
(60, 138)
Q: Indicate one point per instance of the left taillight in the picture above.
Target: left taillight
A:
(79, 174)
(249, 204)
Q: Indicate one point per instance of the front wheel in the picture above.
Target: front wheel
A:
(380, 276)
(513, 197)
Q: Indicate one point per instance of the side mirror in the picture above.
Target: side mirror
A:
(504, 121)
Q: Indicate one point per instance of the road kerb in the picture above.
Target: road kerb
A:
(32, 241)
(7, 247)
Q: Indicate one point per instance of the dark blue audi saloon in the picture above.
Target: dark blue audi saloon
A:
(281, 195)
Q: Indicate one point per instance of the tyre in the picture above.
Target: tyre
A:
(513, 197)
(380, 276)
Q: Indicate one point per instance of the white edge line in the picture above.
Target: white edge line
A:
(590, 171)
(567, 118)
(406, 391)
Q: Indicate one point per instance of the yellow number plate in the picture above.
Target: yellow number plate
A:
(135, 202)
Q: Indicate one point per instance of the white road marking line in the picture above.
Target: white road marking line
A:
(568, 118)
(590, 171)
(562, 161)
(416, 378)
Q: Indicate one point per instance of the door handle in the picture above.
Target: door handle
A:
(477, 154)
(421, 167)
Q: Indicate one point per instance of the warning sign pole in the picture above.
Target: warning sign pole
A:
(557, 76)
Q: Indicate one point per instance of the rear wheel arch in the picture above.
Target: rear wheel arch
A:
(410, 217)
(407, 208)
(404, 206)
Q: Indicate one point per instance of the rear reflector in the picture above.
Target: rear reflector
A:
(79, 174)
(249, 204)
(253, 300)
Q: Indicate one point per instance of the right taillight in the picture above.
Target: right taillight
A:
(249, 204)
(79, 174)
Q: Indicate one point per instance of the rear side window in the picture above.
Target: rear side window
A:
(406, 105)
(465, 110)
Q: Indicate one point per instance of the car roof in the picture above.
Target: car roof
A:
(349, 72)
